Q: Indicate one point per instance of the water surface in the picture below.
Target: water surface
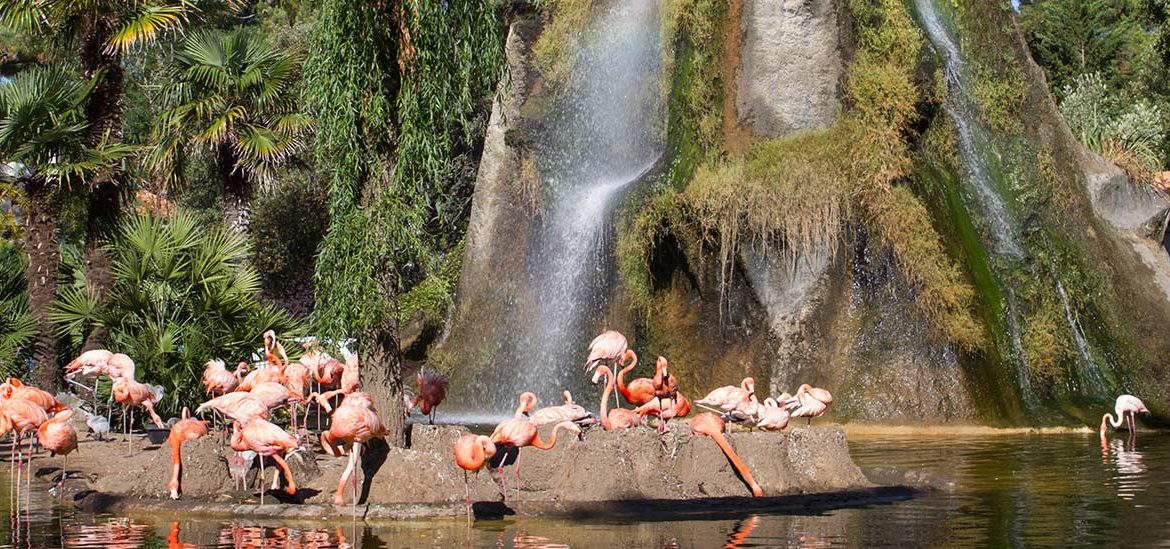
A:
(1012, 490)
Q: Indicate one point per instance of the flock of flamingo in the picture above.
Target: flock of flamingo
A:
(245, 397)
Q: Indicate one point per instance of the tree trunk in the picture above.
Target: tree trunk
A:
(43, 264)
(104, 115)
(382, 379)
(237, 194)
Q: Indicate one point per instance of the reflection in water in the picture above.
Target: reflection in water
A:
(1012, 491)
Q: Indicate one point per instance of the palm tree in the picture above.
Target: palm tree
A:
(43, 134)
(103, 31)
(231, 96)
(182, 294)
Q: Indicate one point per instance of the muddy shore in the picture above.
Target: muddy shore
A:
(612, 474)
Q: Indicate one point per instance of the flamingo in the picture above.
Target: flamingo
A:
(128, 392)
(296, 375)
(665, 386)
(773, 416)
(432, 389)
(516, 433)
(329, 372)
(217, 380)
(186, 429)
(725, 399)
(20, 416)
(237, 406)
(274, 350)
(640, 390)
(472, 453)
(239, 463)
(58, 437)
(617, 418)
(355, 421)
(709, 425)
(810, 402)
(267, 440)
(12, 388)
(351, 381)
(273, 373)
(681, 407)
(610, 349)
(1126, 408)
(556, 414)
(98, 425)
(89, 363)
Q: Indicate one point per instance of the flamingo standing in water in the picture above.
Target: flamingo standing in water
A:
(1127, 407)
(472, 453)
(618, 418)
(128, 392)
(811, 402)
(186, 429)
(21, 417)
(709, 425)
(267, 440)
(569, 411)
(355, 421)
(60, 438)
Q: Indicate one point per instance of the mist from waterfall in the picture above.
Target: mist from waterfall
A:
(603, 135)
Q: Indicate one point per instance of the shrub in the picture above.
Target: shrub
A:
(286, 227)
(1131, 136)
(182, 294)
(17, 325)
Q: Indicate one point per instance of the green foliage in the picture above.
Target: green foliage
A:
(135, 22)
(285, 229)
(555, 51)
(182, 294)
(389, 227)
(17, 325)
(43, 129)
(229, 89)
(1045, 342)
(1073, 37)
(638, 238)
(1130, 134)
(696, 95)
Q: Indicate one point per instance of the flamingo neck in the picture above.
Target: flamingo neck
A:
(552, 439)
(736, 462)
(176, 466)
(621, 381)
(605, 423)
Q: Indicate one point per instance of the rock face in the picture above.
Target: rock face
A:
(575, 475)
(790, 65)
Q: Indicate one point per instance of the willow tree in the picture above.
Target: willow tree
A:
(395, 88)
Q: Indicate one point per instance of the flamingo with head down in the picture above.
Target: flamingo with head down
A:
(569, 411)
(186, 429)
(1127, 407)
(709, 425)
(472, 453)
(432, 389)
(513, 434)
(130, 393)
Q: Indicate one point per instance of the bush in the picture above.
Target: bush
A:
(286, 227)
(1131, 136)
(17, 325)
(182, 294)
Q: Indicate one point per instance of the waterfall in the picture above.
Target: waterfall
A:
(602, 135)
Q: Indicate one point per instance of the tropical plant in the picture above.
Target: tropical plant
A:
(232, 96)
(182, 294)
(1130, 135)
(43, 134)
(17, 325)
(104, 33)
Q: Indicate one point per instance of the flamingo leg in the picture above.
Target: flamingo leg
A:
(19, 457)
(503, 482)
(467, 491)
(262, 480)
(357, 459)
(517, 472)
(339, 497)
(291, 489)
(64, 473)
(130, 433)
(29, 475)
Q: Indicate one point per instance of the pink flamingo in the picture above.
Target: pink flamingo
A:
(709, 425)
(240, 407)
(681, 407)
(514, 434)
(472, 453)
(610, 349)
(810, 402)
(21, 417)
(186, 429)
(725, 399)
(217, 380)
(130, 393)
(60, 438)
(556, 414)
(618, 418)
(267, 440)
(432, 389)
(13, 388)
(1126, 407)
(351, 381)
(774, 416)
(355, 421)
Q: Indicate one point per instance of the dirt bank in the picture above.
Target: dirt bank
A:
(678, 471)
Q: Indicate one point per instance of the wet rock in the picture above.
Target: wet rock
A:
(790, 65)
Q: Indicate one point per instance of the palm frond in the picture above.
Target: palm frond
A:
(144, 24)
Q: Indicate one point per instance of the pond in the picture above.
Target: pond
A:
(1010, 490)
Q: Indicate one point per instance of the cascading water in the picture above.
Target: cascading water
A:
(992, 196)
(603, 136)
